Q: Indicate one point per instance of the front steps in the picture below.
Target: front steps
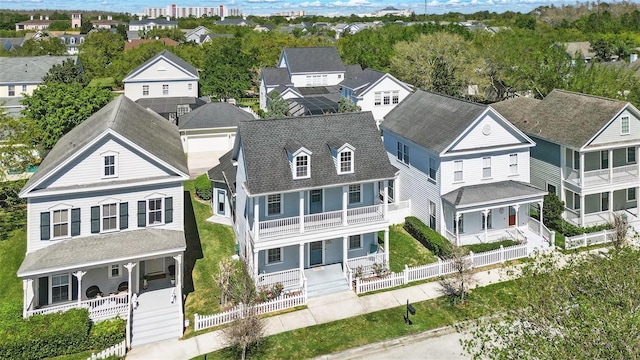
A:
(324, 280)
(156, 318)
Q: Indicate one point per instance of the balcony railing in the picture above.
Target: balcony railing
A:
(619, 174)
(320, 221)
(99, 308)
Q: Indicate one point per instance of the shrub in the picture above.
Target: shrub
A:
(428, 237)
(478, 248)
(107, 333)
(203, 187)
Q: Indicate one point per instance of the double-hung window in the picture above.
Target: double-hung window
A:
(355, 195)
(302, 167)
(631, 155)
(403, 153)
(513, 164)
(60, 290)
(346, 162)
(12, 90)
(145, 90)
(377, 100)
(24, 89)
(395, 97)
(109, 217)
(631, 194)
(274, 204)
(274, 256)
(154, 211)
(109, 165)
(457, 171)
(432, 169)
(355, 242)
(386, 98)
(486, 167)
(60, 223)
(115, 270)
(432, 215)
(625, 127)
(165, 89)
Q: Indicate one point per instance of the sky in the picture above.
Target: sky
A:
(311, 7)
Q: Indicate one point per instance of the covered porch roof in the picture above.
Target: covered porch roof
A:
(492, 194)
(102, 249)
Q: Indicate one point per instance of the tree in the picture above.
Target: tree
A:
(99, 50)
(586, 309)
(226, 72)
(59, 25)
(603, 49)
(16, 152)
(620, 228)
(277, 107)
(552, 209)
(346, 105)
(41, 46)
(458, 284)
(67, 73)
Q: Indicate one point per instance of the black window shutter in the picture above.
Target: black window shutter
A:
(142, 213)
(45, 226)
(168, 210)
(43, 291)
(75, 222)
(124, 216)
(74, 288)
(95, 219)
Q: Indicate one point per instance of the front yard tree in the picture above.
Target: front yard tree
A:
(277, 107)
(67, 73)
(457, 285)
(346, 105)
(587, 309)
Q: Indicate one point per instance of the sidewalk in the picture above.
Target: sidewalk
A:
(319, 311)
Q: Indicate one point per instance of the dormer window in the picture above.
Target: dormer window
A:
(110, 168)
(346, 162)
(302, 167)
(299, 160)
(343, 156)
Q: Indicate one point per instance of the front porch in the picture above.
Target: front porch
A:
(597, 208)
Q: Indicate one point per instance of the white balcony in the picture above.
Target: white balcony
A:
(593, 178)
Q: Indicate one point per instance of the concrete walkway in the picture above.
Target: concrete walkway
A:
(319, 310)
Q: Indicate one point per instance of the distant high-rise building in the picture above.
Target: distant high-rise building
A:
(176, 11)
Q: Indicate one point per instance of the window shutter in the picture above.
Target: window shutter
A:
(168, 210)
(45, 226)
(95, 219)
(124, 216)
(142, 214)
(43, 291)
(74, 288)
(75, 222)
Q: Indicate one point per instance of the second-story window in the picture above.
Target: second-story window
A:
(145, 90)
(109, 165)
(12, 90)
(109, 217)
(432, 169)
(355, 195)
(486, 167)
(274, 204)
(395, 97)
(302, 167)
(377, 99)
(24, 88)
(624, 126)
(457, 171)
(403, 153)
(165, 89)
(60, 223)
(513, 164)
(189, 87)
(631, 155)
(346, 162)
(154, 211)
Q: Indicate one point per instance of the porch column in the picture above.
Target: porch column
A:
(386, 246)
(256, 217)
(79, 274)
(345, 203)
(517, 209)
(255, 263)
(540, 205)
(385, 199)
(486, 222)
(301, 212)
(301, 254)
(610, 163)
(129, 268)
(610, 205)
(581, 210)
(581, 169)
(27, 290)
(345, 253)
(456, 225)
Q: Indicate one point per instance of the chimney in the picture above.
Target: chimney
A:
(99, 17)
(109, 17)
(40, 17)
(633, 58)
(46, 17)
(31, 17)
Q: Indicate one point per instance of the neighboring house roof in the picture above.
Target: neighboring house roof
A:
(164, 105)
(582, 47)
(313, 59)
(142, 127)
(132, 34)
(267, 166)
(9, 44)
(363, 80)
(432, 120)
(225, 171)
(563, 117)
(312, 105)
(158, 21)
(516, 109)
(352, 70)
(214, 115)
(11, 106)
(275, 76)
(90, 250)
(167, 56)
(135, 43)
(28, 69)
(234, 21)
(468, 196)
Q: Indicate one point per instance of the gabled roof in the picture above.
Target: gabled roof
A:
(143, 128)
(29, 69)
(225, 171)
(159, 21)
(275, 76)
(563, 117)
(213, 115)
(432, 120)
(267, 165)
(135, 43)
(352, 70)
(164, 105)
(313, 59)
(580, 47)
(164, 54)
(365, 78)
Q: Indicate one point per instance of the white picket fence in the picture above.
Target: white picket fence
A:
(116, 350)
(281, 303)
(583, 240)
(417, 273)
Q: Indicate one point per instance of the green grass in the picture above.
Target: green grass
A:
(381, 325)
(13, 246)
(217, 242)
(103, 82)
(404, 249)
(477, 248)
(559, 240)
(81, 356)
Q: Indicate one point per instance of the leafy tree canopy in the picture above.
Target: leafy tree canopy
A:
(277, 106)
(67, 73)
(346, 105)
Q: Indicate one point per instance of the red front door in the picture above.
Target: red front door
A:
(512, 216)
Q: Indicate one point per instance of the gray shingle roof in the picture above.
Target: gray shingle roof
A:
(563, 117)
(275, 76)
(313, 59)
(267, 165)
(363, 80)
(101, 249)
(163, 105)
(515, 109)
(501, 191)
(28, 69)
(431, 120)
(213, 115)
(140, 126)
(352, 70)
(225, 172)
(171, 58)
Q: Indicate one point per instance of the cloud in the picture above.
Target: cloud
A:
(350, 3)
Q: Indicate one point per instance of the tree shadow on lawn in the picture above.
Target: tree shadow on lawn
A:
(194, 247)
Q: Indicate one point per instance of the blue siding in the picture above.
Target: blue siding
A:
(290, 260)
(546, 151)
(333, 199)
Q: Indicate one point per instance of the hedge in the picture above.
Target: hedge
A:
(428, 237)
(203, 187)
(52, 335)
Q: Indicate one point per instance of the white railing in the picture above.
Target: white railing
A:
(366, 263)
(625, 171)
(365, 214)
(572, 216)
(281, 303)
(595, 177)
(323, 220)
(401, 205)
(99, 308)
(451, 236)
(290, 279)
(583, 240)
(277, 227)
(534, 226)
(119, 350)
(410, 274)
(603, 176)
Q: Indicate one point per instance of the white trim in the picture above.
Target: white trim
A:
(266, 257)
(351, 160)
(52, 224)
(355, 248)
(161, 210)
(309, 253)
(110, 267)
(131, 76)
(110, 187)
(635, 194)
(307, 167)
(369, 87)
(628, 132)
(102, 217)
(349, 192)
(50, 288)
(266, 205)
(308, 194)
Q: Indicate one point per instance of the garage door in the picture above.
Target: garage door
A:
(204, 143)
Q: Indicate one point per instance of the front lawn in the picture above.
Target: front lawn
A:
(13, 246)
(404, 249)
(202, 257)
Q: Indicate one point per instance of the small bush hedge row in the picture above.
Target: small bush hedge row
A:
(52, 335)
(203, 187)
(428, 237)
(569, 229)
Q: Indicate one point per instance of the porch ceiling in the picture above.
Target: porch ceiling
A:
(102, 249)
(492, 193)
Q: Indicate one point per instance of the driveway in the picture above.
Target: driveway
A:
(201, 162)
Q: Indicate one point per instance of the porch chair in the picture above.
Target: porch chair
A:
(124, 286)
(92, 292)
(374, 249)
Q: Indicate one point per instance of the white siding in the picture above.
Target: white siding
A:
(300, 80)
(177, 88)
(242, 207)
(4, 90)
(162, 70)
(88, 168)
(611, 134)
(86, 200)
(368, 100)
(543, 173)
(208, 140)
(486, 133)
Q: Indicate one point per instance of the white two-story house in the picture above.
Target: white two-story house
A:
(105, 220)
(586, 152)
(375, 91)
(464, 167)
(308, 191)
